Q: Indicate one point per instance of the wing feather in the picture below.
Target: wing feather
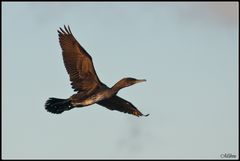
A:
(119, 104)
(78, 63)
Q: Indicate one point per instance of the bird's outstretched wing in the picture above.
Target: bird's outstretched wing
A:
(78, 63)
(119, 104)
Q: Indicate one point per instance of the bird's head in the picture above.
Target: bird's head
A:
(125, 82)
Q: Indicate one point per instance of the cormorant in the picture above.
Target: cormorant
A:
(85, 81)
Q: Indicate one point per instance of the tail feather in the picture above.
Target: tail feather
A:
(57, 105)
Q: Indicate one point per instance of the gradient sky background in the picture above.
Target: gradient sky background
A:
(188, 52)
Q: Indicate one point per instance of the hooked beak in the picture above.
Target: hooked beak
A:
(140, 80)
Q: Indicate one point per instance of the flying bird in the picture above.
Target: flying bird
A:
(84, 80)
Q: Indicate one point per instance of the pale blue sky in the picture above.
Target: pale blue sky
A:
(188, 52)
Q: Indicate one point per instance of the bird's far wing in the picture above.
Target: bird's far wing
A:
(78, 63)
(119, 104)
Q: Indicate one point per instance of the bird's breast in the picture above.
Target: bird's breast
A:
(91, 100)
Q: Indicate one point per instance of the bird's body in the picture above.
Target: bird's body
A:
(85, 81)
(80, 101)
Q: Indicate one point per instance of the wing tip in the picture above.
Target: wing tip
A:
(65, 30)
(139, 114)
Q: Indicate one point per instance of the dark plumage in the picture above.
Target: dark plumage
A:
(85, 81)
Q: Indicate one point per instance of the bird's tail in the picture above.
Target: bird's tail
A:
(57, 105)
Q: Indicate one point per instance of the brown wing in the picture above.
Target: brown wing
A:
(78, 63)
(119, 104)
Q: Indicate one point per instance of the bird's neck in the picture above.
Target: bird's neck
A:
(117, 87)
